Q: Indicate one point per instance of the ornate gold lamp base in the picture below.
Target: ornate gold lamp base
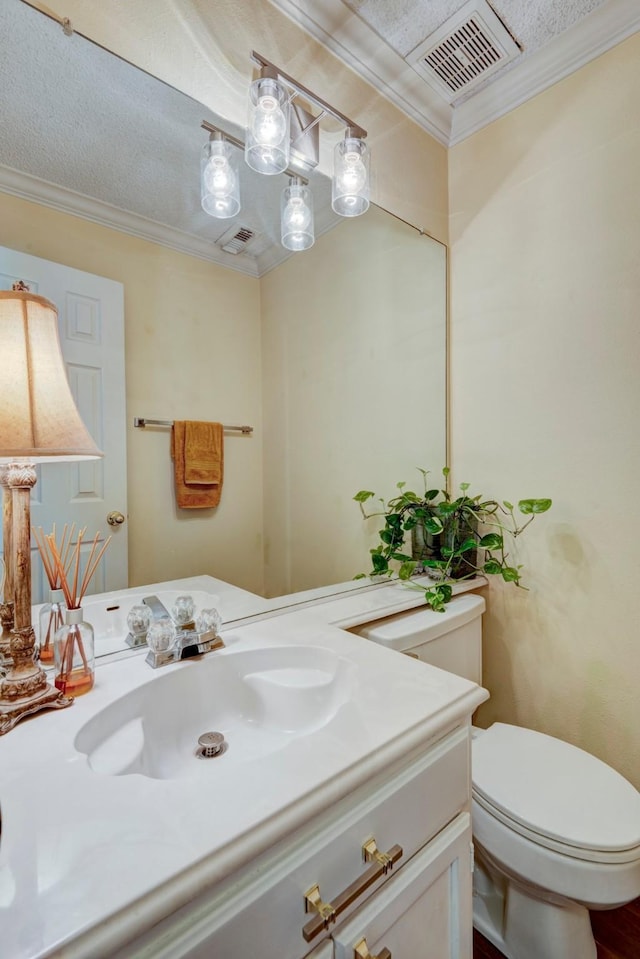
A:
(6, 621)
(25, 690)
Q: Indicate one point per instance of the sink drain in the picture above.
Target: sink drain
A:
(210, 745)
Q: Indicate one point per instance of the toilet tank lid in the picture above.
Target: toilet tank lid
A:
(416, 626)
(555, 789)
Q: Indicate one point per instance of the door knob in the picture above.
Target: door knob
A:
(115, 518)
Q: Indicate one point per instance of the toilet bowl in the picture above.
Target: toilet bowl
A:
(556, 831)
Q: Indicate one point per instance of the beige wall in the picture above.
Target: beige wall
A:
(192, 342)
(202, 48)
(545, 259)
(354, 392)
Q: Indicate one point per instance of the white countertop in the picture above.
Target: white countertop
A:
(88, 861)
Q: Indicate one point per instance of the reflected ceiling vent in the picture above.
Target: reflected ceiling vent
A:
(471, 46)
(236, 239)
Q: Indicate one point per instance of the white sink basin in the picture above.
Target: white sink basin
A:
(109, 616)
(259, 699)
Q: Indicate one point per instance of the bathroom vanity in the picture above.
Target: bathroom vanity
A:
(335, 822)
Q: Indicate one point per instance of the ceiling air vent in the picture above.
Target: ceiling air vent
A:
(468, 48)
(235, 240)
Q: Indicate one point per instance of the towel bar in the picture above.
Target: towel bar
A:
(141, 422)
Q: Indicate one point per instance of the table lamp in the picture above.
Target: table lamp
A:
(39, 422)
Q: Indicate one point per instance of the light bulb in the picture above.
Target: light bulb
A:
(353, 175)
(269, 122)
(350, 185)
(220, 185)
(219, 178)
(267, 135)
(296, 215)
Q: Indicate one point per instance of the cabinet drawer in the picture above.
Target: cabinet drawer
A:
(425, 910)
(261, 911)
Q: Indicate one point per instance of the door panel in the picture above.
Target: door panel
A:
(91, 327)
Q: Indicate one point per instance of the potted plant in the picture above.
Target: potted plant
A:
(452, 538)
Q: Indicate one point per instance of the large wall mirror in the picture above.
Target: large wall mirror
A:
(335, 356)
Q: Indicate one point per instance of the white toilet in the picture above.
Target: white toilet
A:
(556, 831)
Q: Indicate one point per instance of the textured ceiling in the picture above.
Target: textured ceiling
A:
(385, 41)
(403, 24)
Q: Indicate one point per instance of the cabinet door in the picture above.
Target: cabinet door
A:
(425, 912)
(323, 951)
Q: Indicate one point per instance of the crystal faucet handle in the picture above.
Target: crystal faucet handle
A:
(209, 620)
(161, 636)
(182, 610)
(139, 619)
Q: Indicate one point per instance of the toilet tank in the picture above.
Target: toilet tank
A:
(451, 640)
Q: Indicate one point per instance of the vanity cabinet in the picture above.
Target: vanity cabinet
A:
(417, 812)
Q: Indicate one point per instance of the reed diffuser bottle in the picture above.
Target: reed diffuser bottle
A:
(74, 654)
(74, 646)
(50, 620)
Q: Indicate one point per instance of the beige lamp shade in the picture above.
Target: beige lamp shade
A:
(38, 415)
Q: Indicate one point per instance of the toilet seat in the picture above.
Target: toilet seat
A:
(556, 795)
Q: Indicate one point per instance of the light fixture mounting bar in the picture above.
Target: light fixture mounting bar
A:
(210, 128)
(356, 130)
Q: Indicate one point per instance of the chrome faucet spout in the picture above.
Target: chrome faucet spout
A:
(157, 609)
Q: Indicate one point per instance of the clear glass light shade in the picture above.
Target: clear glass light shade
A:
(296, 217)
(267, 136)
(350, 186)
(219, 179)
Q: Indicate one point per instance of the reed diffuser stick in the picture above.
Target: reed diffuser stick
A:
(54, 621)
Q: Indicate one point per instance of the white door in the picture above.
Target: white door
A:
(91, 325)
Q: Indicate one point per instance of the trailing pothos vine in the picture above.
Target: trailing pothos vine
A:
(452, 538)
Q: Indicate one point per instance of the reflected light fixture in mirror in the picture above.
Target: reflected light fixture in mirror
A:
(219, 178)
(296, 216)
(39, 421)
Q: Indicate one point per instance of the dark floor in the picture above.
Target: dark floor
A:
(616, 931)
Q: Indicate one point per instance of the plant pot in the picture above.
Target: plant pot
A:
(425, 545)
(430, 546)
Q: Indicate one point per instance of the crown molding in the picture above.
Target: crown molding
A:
(354, 43)
(603, 29)
(28, 187)
(357, 45)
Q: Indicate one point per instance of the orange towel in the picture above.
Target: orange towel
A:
(203, 453)
(194, 458)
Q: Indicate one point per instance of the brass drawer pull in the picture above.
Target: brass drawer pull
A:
(313, 903)
(328, 912)
(361, 951)
(371, 853)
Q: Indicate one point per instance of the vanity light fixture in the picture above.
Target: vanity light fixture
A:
(280, 131)
(219, 177)
(296, 216)
(39, 421)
